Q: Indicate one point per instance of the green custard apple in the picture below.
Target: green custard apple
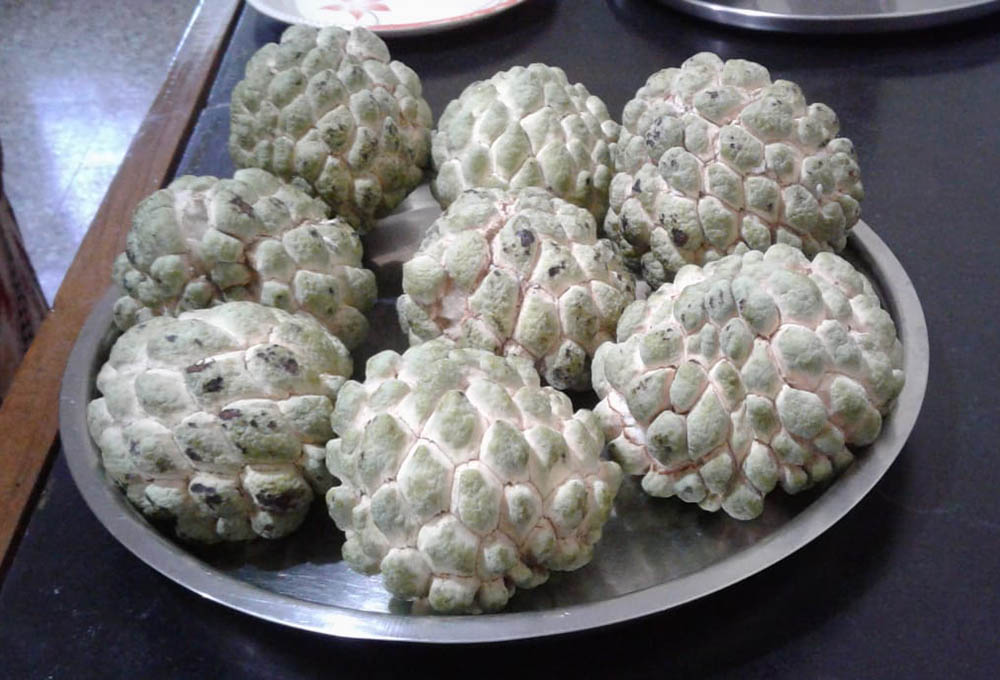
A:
(714, 158)
(216, 420)
(526, 127)
(519, 273)
(755, 370)
(203, 240)
(463, 479)
(329, 110)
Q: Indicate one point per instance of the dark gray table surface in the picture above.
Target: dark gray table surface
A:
(905, 586)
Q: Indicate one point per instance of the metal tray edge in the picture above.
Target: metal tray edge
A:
(765, 20)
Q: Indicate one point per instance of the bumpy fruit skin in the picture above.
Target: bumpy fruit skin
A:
(715, 159)
(217, 419)
(329, 110)
(755, 370)
(526, 127)
(462, 478)
(518, 274)
(202, 241)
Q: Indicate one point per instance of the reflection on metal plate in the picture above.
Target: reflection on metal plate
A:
(655, 554)
(824, 16)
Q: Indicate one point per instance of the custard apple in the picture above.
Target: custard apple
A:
(526, 127)
(715, 159)
(755, 370)
(462, 478)
(327, 109)
(520, 274)
(217, 419)
(203, 240)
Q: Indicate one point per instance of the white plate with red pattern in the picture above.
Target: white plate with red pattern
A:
(385, 17)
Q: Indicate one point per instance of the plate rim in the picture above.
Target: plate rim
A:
(769, 20)
(149, 545)
(393, 30)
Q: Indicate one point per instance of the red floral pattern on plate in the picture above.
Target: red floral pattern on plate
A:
(357, 8)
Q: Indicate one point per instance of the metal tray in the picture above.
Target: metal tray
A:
(824, 16)
(655, 554)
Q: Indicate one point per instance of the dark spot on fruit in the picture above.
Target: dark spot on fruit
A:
(283, 502)
(271, 425)
(637, 187)
(314, 233)
(715, 300)
(198, 342)
(211, 498)
(198, 367)
(653, 134)
(527, 237)
(170, 338)
(290, 365)
(554, 271)
(241, 205)
(213, 385)
(253, 422)
(678, 237)
(229, 413)
(192, 454)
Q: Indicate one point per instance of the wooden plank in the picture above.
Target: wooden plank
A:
(28, 416)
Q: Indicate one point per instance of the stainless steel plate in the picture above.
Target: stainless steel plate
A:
(841, 16)
(656, 554)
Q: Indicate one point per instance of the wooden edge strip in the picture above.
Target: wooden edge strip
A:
(29, 418)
